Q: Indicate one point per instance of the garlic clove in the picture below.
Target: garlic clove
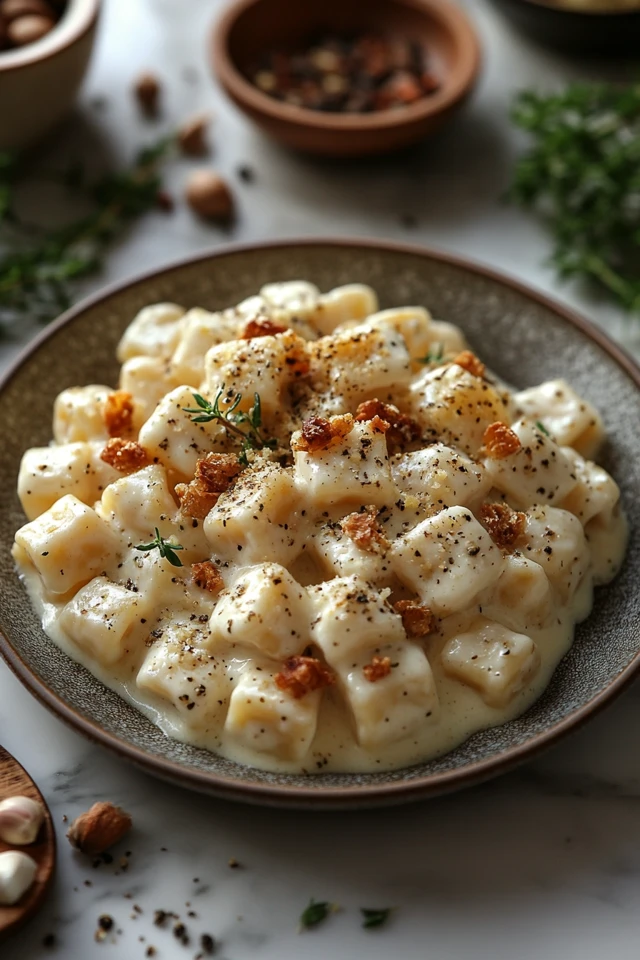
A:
(20, 820)
(17, 873)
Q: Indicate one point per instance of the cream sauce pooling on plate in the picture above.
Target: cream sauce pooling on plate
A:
(311, 536)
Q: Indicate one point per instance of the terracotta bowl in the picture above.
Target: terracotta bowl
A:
(39, 82)
(249, 27)
(594, 33)
(521, 334)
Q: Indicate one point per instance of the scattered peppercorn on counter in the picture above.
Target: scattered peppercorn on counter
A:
(310, 535)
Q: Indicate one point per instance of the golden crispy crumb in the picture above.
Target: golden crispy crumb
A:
(262, 327)
(118, 413)
(469, 362)
(214, 474)
(417, 619)
(401, 430)
(318, 433)
(124, 455)
(207, 576)
(500, 441)
(195, 499)
(504, 525)
(364, 530)
(301, 675)
(379, 668)
(216, 471)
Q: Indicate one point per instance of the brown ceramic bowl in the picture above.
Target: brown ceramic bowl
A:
(39, 82)
(250, 27)
(522, 335)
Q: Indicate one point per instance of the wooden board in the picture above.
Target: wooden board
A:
(15, 781)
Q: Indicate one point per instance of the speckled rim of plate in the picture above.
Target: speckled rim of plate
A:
(358, 795)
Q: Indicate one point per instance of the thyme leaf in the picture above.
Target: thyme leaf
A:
(165, 548)
(374, 918)
(541, 427)
(316, 913)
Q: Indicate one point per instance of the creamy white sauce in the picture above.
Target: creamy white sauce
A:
(331, 487)
(462, 710)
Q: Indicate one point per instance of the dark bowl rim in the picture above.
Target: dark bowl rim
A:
(33, 56)
(245, 93)
(343, 796)
(584, 15)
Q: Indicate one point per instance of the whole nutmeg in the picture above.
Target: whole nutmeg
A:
(20, 820)
(192, 136)
(147, 89)
(29, 29)
(209, 196)
(99, 828)
(12, 9)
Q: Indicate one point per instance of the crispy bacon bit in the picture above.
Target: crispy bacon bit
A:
(469, 362)
(318, 433)
(214, 474)
(504, 525)
(261, 326)
(207, 576)
(379, 668)
(216, 471)
(500, 441)
(124, 455)
(118, 413)
(417, 619)
(364, 530)
(301, 675)
(195, 501)
(401, 430)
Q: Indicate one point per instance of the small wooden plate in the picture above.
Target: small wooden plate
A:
(15, 781)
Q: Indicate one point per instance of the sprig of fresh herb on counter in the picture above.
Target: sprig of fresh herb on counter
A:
(164, 547)
(39, 267)
(233, 420)
(582, 173)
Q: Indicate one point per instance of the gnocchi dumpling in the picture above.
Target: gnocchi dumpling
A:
(495, 661)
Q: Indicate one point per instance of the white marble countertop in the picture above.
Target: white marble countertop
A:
(544, 862)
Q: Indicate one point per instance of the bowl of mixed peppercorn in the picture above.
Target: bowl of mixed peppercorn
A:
(344, 77)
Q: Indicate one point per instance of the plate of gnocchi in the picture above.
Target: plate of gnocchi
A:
(321, 523)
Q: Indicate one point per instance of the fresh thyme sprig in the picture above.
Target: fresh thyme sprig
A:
(233, 420)
(165, 548)
(39, 267)
(435, 355)
(582, 173)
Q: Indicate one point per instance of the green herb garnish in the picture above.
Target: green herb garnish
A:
(316, 913)
(39, 266)
(166, 549)
(541, 427)
(435, 355)
(234, 420)
(374, 918)
(583, 174)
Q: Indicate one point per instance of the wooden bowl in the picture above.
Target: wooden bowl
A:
(600, 34)
(250, 27)
(39, 82)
